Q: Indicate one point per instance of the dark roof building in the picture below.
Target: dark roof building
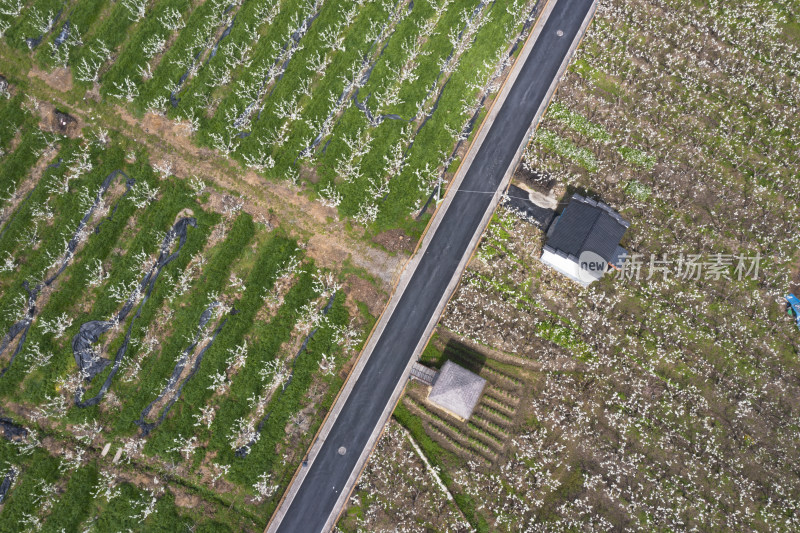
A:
(584, 238)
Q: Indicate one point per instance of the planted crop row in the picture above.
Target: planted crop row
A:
(297, 87)
(35, 237)
(252, 23)
(147, 41)
(198, 391)
(183, 323)
(76, 285)
(268, 339)
(107, 35)
(271, 55)
(139, 321)
(15, 166)
(291, 399)
(185, 56)
(436, 137)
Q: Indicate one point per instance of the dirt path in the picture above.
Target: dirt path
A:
(329, 242)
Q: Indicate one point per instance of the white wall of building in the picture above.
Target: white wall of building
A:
(569, 268)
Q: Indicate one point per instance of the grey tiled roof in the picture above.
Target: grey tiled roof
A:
(457, 390)
(587, 225)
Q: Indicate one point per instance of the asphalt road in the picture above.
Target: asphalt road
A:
(329, 472)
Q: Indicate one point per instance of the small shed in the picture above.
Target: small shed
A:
(456, 390)
(584, 240)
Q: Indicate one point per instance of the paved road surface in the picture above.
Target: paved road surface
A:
(328, 474)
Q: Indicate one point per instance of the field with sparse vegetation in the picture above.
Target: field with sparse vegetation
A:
(660, 403)
(204, 205)
(165, 357)
(363, 102)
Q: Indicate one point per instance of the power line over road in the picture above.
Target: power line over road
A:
(322, 485)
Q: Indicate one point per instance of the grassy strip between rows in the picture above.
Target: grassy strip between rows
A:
(184, 323)
(72, 286)
(195, 241)
(439, 457)
(196, 393)
(289, 403)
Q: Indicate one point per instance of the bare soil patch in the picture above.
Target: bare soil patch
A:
(54, 120)
(359, 289)
(59, 79)
(395, 240)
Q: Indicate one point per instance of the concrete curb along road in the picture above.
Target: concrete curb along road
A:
(282, 520)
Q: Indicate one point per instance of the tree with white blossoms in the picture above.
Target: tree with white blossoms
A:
(17, 308)
(219, 471)
(56, 326)
(146, 71)
(263, 488)
(367, 213)
(37, 357)
(123, 292)
(219, 383)
(237, 358)
(225, 144)
(274, 373)
(60, 54)
(136, 9)
(333, 38)
(29, 444)
(132, 448)
(101, 137)
(198, 186)
(88, 67)
(185, 447)
(172, 19)
(44, 497)
(52, 407)
(310, 317)
(142, 194)
(329, 196)
(42, 211)
(346, 336)
(8, 264)
(259, 162)
(163, 167)
(243, 433)
(153, 46)
(11, 8)
(41, 23)
(107, 487)
(126, 90)
(31, 522)
(77, 166)
(325, 284)
(205, 417)
(146, 504)
(327, 364)
(86, 432)
(71, 460)
(236, 283)
(96, 274)
(158, 105)
(317, 63)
